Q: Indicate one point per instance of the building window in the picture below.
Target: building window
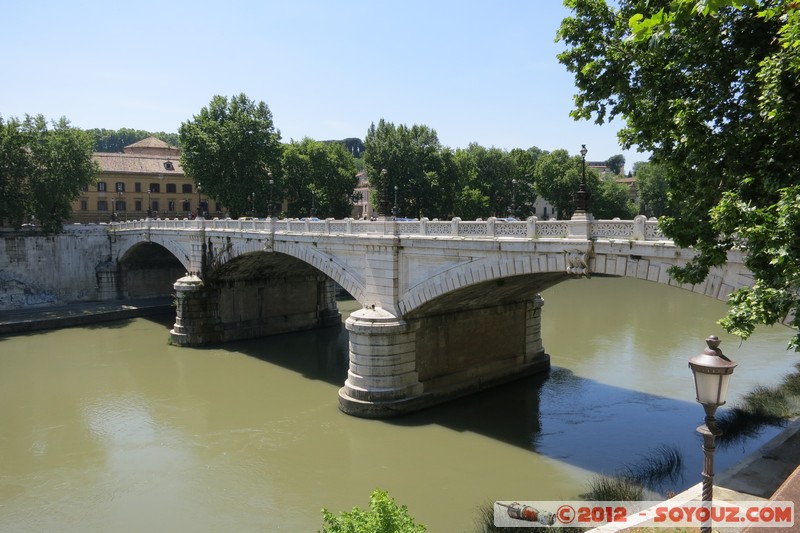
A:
(101, 186)
(171, 187)
(219, 207)
(155, 206)
(102, 205)
(186, 206)
(137, 187)
(155, 187)
(137, 205)
(84, 205)
(171, 206)
(168, 165)
(120, 205)
(186, 188)
(120, 187)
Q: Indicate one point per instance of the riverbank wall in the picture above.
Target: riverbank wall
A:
(38, 270)
(80, 314)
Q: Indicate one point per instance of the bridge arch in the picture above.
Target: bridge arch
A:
(523, 277)
(332, 266)
(179, 248)
(147, 270)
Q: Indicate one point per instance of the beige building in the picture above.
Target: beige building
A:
(146, 178)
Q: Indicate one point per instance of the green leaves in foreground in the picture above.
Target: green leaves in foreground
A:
(383, 516)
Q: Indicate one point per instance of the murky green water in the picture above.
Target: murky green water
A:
(109, 428)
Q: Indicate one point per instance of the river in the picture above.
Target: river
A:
(109, 428)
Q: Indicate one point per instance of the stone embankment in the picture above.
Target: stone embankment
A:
(79, 314)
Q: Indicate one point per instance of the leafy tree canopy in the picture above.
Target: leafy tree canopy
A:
(406, 164)
(651, 179)
(115, 140)
(711, 89)
(319, 179)
(616, 163)
(42, 170)
(232, 149)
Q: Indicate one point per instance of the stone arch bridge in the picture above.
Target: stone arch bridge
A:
(448, 308)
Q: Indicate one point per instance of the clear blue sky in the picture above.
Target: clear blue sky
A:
(482, 72)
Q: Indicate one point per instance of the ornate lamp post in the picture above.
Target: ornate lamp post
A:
(313, 201)
(394, 209)
(149, 204)
(712, 372)
(270, 207)
(118, 204)
(199, 201)
(383, 205)
(253, 204)
(512, 210)
(581, 198)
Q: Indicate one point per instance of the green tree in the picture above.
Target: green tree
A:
(384, 516)
(415, 173)
(651, 180)
(616, 163)
(115, 140)
(711, 89)
(319, 179)
(233, 149)
(471, 201)
(525, 172)
(42, 170)
(557, 176)
(609, 198)
(494, 175)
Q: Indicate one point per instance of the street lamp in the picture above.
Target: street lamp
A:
(512, 211)
(712, 372)
(581, 198)
(312, 210)
(199, 201)
(384, 203)
(253, 204)
(394, 209)
(149, 204)
(270, 207)
(118, 204)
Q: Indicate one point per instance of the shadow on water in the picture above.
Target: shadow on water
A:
(571, 419)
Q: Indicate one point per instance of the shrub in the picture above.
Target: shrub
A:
(384, 516)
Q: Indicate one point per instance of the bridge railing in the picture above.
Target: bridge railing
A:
(532, 228)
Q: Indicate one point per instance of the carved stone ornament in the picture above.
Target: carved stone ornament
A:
(577, 263)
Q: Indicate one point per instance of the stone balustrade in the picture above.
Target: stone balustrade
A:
(638, 229)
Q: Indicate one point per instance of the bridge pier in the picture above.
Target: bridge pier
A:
(250, 308)
(403, 365)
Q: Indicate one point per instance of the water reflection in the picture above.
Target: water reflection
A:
(113, 429)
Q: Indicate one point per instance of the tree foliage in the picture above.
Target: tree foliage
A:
(711, 89)
(415, 172)
(319, 179)
(616, 163)
(651, 179)
(557, 176)
(114, 141)
(42, 170)
(383, 516)
(232, 148)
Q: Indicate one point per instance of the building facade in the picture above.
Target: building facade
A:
(145, 179)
